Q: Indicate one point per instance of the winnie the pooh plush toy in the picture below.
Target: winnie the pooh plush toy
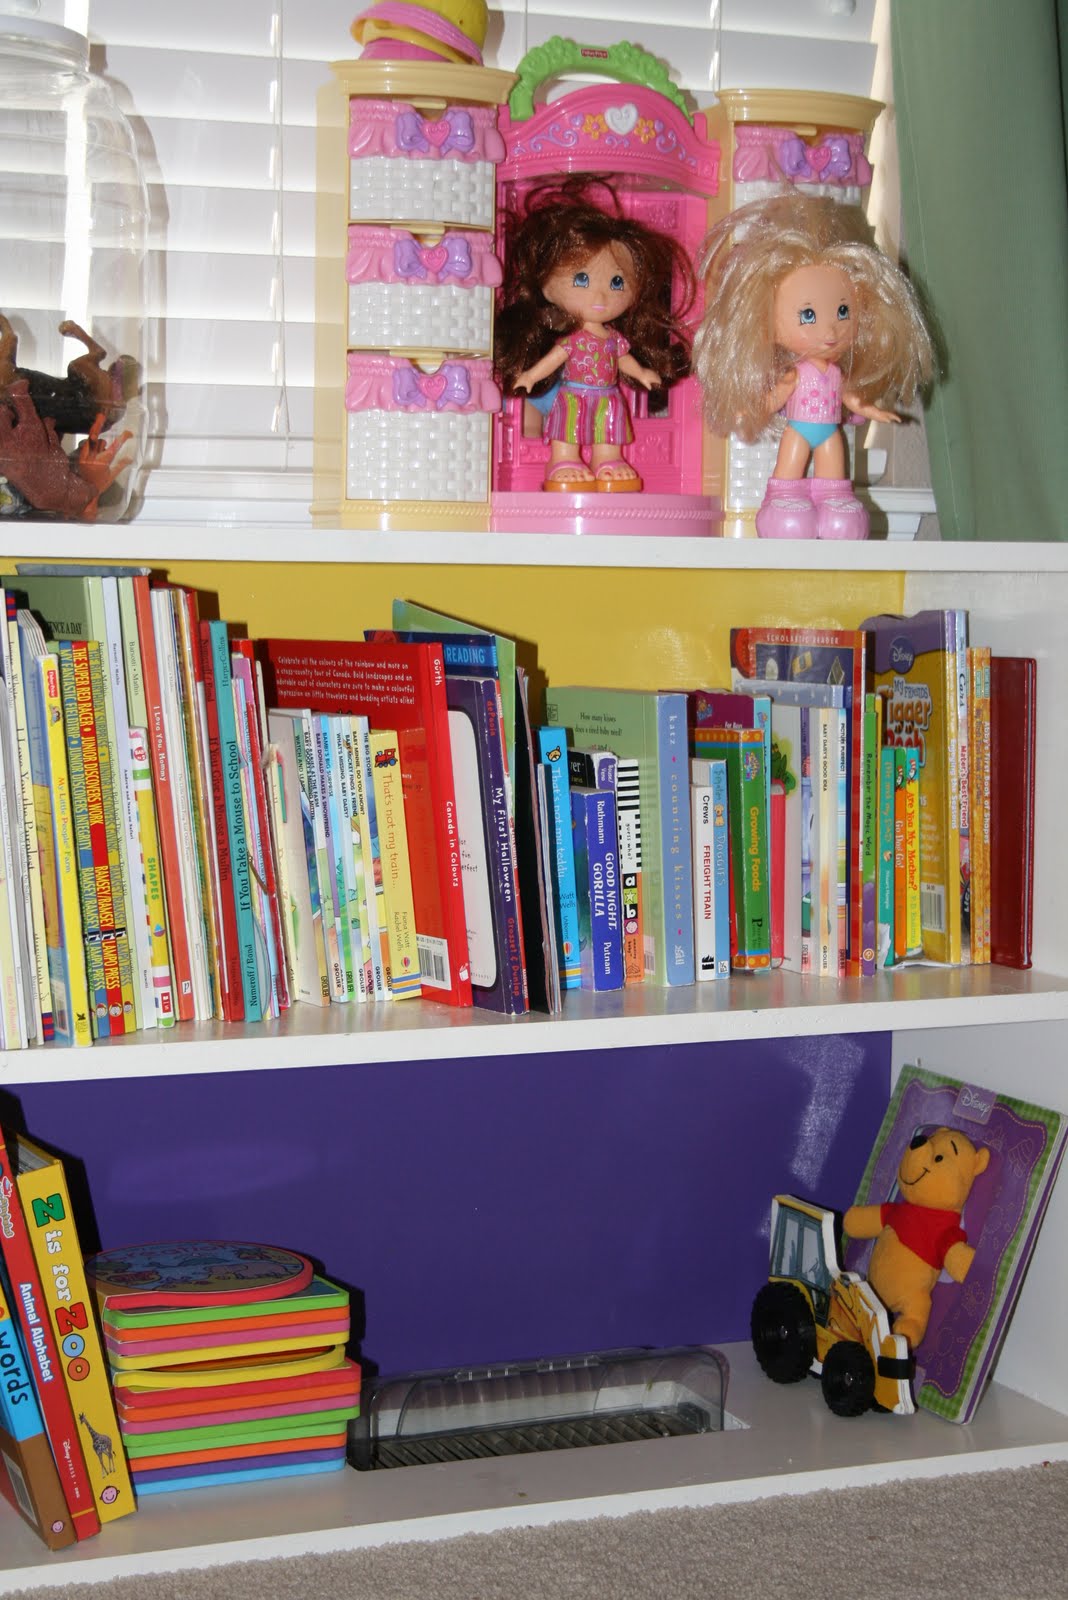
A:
(918, 1235)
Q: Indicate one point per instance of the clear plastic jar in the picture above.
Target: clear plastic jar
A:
(73, 237)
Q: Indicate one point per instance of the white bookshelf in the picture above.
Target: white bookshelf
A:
(779, 1440)
(989, 1025)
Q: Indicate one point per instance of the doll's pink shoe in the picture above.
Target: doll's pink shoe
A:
(839, 514)
(787, 512)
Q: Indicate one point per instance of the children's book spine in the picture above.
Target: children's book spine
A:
(42, 1348)
(273, 988)
(827, 951)
(106, 1003)
(704, 889)
(352, 816)
(32, 849)
(404, 975)
(552, 752)
(345, 780)
(843, 846)
(11, 807)
(870, 834)
(67, 979)
(721, 866)
(42, 1187)
(12, 1006)
(952, 902)
(193, 695)
(189, 884)
(246, 943)
(139, 930)
(901, 949)
(964, 778)
(982, 833)
(342, 979)
(232, 986)
(884, 931)
(112, 697)
(136, 708)
(28, 1474)
(151, 866)
(371, 910)
(502, 818)
(742, 749)
(165, 814)
(594, 814)
(809, 892)
(302, 911)
(629, 821)
(913, 897)
(673, 764)
(113, 895)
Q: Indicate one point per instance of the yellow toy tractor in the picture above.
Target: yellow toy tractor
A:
(811, 1316)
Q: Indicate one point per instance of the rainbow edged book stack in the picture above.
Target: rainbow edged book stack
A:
(228, 1362)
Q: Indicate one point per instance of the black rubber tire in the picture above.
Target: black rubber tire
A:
(848, 1379)
(783, 1332)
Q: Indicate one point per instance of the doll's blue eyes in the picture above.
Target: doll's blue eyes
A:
(843, 312)
(617, 283)
(581, 280)
(807, 316)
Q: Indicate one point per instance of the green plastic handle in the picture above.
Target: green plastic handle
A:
(627, 63)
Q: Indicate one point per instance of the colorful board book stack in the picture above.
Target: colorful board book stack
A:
(1001, 1219)
(228, 1362)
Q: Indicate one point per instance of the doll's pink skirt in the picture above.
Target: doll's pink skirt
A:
(581, 414)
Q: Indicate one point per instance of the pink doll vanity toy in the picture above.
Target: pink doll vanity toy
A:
(584, 307)
(804, 316)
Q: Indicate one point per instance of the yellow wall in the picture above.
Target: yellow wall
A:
(634, 629)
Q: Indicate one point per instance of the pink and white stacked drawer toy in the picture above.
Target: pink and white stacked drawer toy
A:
(421, 270)
(408, 291)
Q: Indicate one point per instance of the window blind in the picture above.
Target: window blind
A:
(222, 98)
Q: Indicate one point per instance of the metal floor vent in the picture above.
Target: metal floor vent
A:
(466, 1444)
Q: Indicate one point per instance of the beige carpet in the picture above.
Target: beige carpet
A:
(985, 1536)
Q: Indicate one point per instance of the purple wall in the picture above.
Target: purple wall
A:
(488, 1209)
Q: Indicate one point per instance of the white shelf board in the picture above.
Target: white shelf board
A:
(149, 543)
(774, 1005)
(789, 1443)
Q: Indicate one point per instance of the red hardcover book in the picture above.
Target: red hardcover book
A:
(43, 1354)
(1013, 681)
(232, 992)
(401, 687)
(159, 758)
(821, 655)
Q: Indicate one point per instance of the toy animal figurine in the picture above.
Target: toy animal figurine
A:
(917, 1236)
(38, 408)
(587, 298)
(804, 315)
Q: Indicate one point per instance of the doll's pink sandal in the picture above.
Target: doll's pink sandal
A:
(839, 514)
(569, 477)
(617, 477)
(787, 511)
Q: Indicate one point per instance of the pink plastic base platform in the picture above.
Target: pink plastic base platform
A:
(649, 516)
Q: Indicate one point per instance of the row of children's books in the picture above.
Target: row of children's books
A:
(199, 826)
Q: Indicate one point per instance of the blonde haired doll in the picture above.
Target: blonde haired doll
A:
(805, 316)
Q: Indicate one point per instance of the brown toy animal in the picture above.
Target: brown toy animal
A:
(919, 1235)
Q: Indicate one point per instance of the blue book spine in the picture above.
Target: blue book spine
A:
(721, 866)
(20, 1413)
(230, 754)
(676, 838)
(597, 845)
(552, 753)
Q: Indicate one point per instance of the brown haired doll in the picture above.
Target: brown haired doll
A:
(587, 297)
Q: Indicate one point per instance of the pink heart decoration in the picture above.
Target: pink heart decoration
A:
(436, 132)
(819, 156)
(434, 386)
(436, 258)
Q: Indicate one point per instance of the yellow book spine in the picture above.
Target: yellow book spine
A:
(141, 1361)
(405, 980)
(913, 920)
(53, 1235)
(152, 871)
(33, 855)
(66, 856)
